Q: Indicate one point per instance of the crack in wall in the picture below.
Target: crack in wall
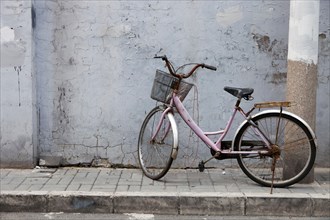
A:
(94, 155)
(106, 62)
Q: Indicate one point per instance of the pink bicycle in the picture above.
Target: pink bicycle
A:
(274, 147)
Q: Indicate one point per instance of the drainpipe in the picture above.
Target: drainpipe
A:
(302, 62)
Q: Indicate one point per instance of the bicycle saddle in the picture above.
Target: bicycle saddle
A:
(239, 92)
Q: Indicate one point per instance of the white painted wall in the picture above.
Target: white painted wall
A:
(303, 44)
(95, 69)
(18, 98)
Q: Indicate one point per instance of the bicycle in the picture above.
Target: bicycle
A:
(274, 148)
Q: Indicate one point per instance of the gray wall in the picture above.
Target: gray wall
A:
(94, 71)
(18, 126)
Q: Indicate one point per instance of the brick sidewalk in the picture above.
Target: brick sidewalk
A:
(185, 188)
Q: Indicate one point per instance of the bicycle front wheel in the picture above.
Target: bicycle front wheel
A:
(156, 154)
(292, 138)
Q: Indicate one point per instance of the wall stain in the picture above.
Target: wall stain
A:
(266, 45)
(33, 16)
(324, 45)
(63, 117)
(72, 61)
(82, 202)
(263, 42)
(322, 36)
(278, 78)
(18, 69)
(277, 50)
(87, 37)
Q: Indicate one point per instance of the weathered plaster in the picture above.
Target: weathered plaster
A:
(100, 69)
(94, 73)
(323, 88)
(18, 108)
(13, 49)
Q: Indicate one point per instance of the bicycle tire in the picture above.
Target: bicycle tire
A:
(156, 157)
(294, 138)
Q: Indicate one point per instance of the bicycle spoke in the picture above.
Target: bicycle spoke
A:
(155, 155)
(291, 147)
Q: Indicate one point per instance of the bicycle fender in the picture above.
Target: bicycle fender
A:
(175, 135)
(277, 111)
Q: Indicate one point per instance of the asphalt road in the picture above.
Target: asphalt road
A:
(134, 216)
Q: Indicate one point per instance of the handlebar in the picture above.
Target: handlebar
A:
(182, 76)
(209, 67)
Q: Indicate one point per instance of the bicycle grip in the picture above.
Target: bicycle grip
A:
(160, 57)
(209, 67)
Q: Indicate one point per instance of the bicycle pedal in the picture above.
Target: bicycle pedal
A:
(201, 166)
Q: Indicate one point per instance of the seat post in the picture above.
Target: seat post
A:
(238, 102)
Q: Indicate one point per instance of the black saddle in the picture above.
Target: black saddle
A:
(239, 92)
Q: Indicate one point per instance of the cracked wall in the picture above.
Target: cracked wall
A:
(95, 70)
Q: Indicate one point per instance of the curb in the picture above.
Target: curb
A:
(234, 204)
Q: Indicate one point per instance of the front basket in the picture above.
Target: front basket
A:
(162, 88)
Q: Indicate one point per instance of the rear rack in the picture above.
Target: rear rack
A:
(272, 104)
(269, 105)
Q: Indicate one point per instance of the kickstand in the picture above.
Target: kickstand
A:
(201, 164)
(272, 186)
(273, 174)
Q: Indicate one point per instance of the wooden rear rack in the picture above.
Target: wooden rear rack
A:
(272, 104)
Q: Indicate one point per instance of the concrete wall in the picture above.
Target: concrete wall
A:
(18, 97)
(323, 89)
(94, 70)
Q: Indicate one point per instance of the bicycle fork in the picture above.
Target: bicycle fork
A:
(172, 124)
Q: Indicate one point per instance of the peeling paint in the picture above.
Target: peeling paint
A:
(229, 16)
(279, 78)
(96, 72)
(265, 44)
(12, 49)
(324, 44)
(262, 42)
(7, 34)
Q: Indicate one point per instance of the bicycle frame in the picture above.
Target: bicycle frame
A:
(258, 143)
(176, 102)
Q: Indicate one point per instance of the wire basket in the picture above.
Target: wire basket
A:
(162, 88)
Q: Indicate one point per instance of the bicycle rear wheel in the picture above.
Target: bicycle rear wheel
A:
(155, 155)
(293, 138)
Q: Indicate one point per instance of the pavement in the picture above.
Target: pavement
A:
(181, 192)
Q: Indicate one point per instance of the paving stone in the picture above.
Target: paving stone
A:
(121, 188)
(23, 202)
(80, 203)
(212, 204)
(23, 187)
(54, 187)
(134, 188)
(73, 187)
(146, 204)
(321, 205)
(278, 205)
(180, 192)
